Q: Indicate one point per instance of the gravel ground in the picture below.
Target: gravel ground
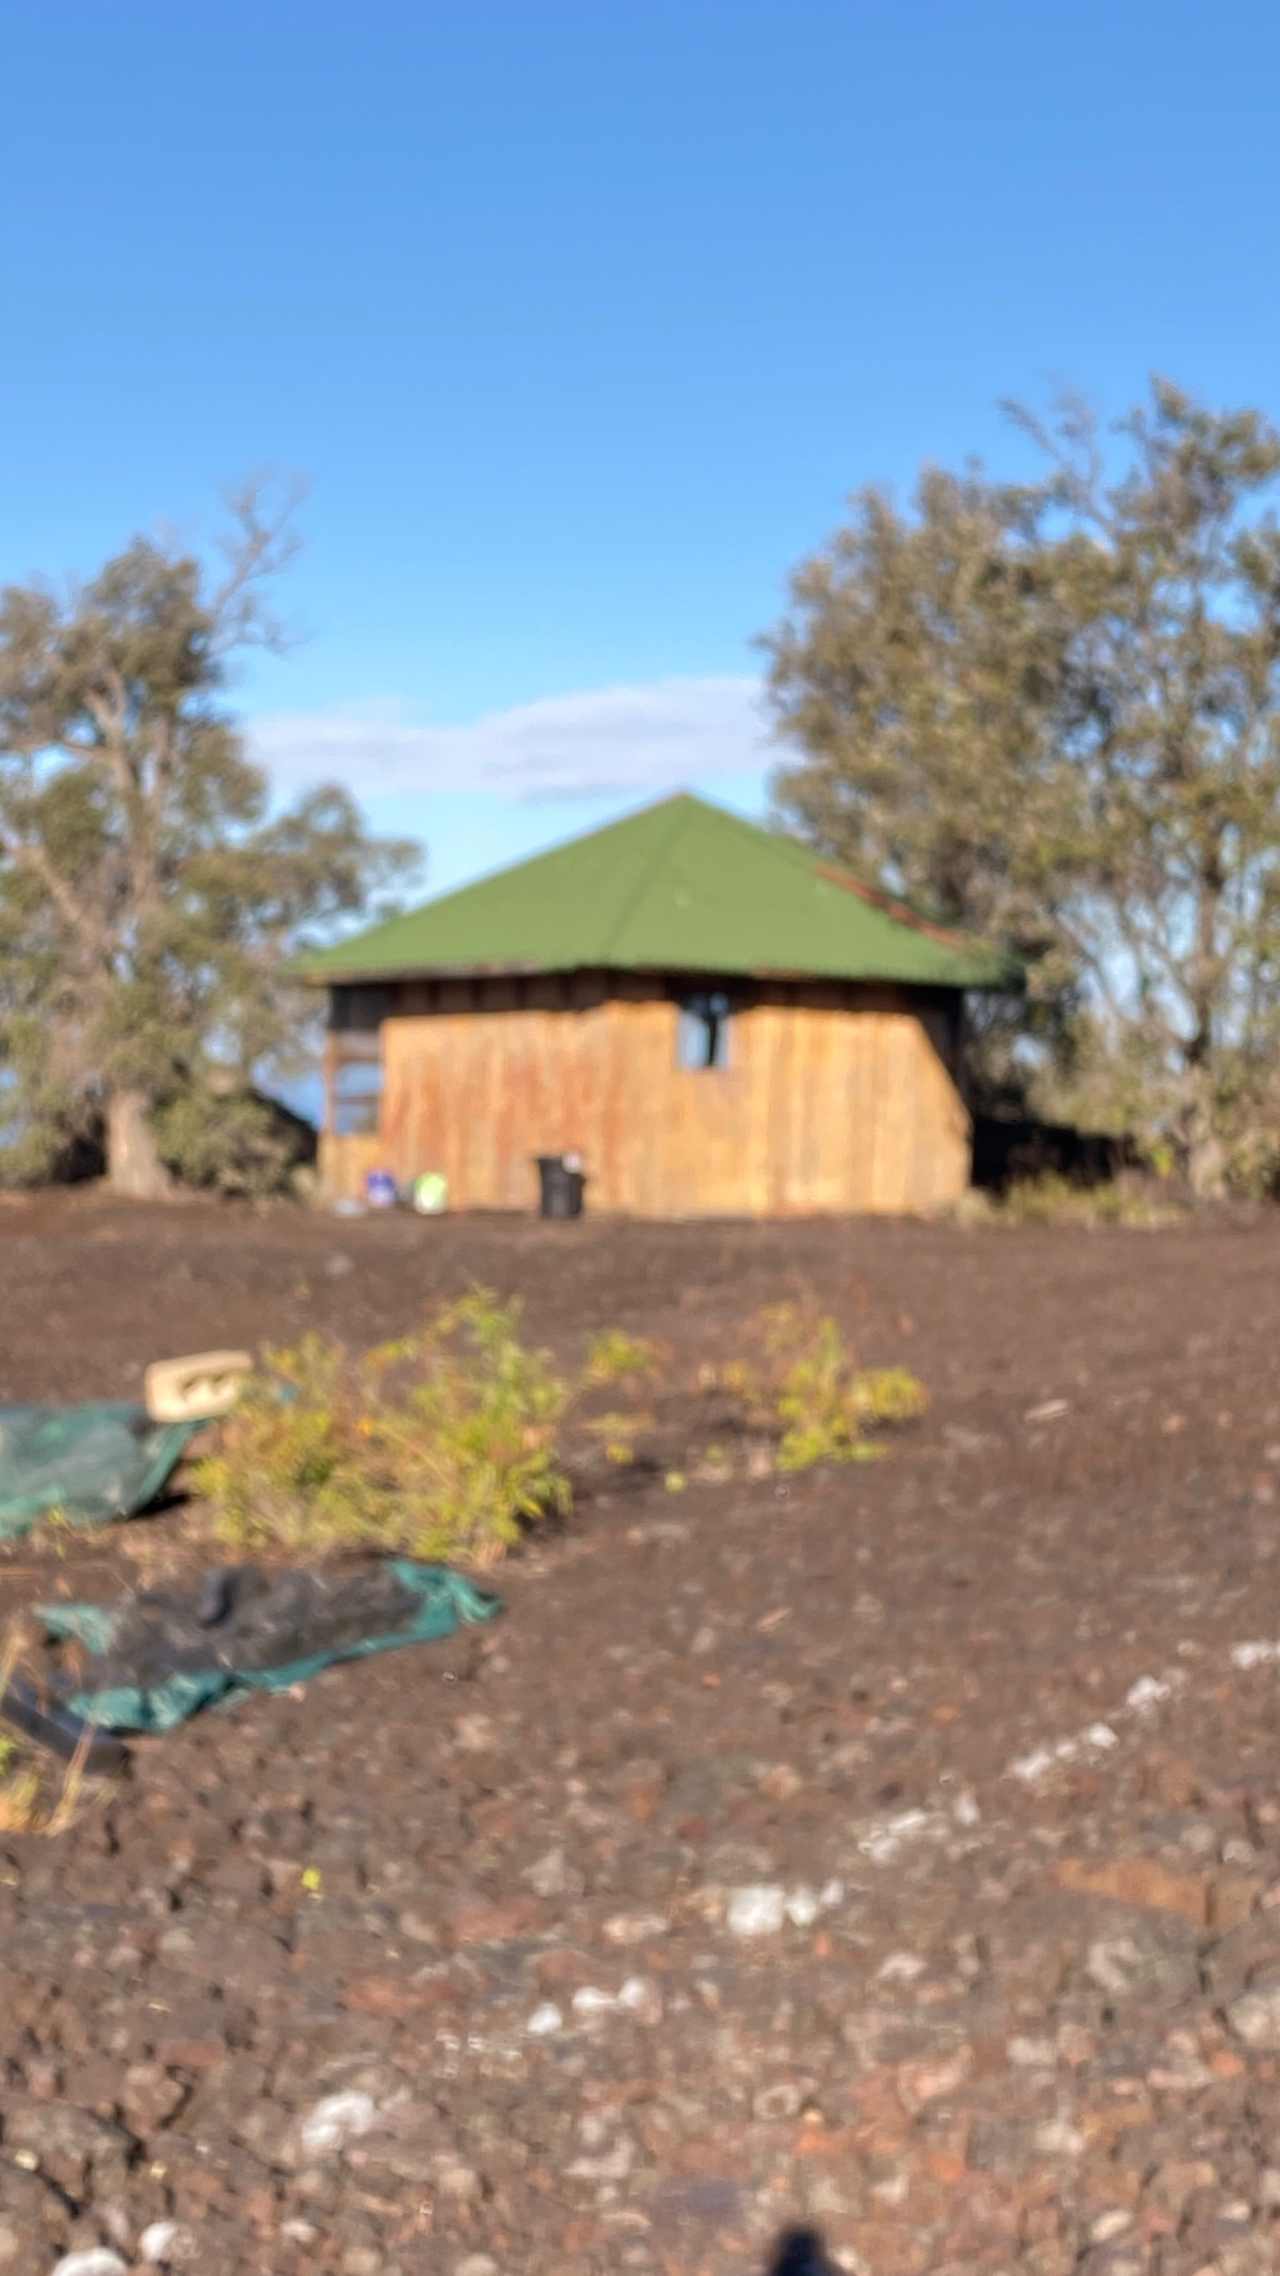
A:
(896, 1851)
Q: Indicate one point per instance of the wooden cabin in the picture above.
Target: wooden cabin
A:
(718, 1022)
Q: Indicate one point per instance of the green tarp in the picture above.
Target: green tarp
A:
(432, 1602)
(92, 1463)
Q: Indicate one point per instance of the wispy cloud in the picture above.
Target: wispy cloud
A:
(651, 737)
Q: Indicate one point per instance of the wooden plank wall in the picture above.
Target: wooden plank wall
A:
(834, 1100)
(344, 1163)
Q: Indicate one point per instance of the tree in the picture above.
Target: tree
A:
(1050, 712)
(150, 901)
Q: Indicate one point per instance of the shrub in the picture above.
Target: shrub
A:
(1054, 1200)
(232, 1140)
(472, 1445)
(822, 1401)
(291, 1468)
(447, 1444)
(808, 1395)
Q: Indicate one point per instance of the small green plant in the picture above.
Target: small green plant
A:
(473, 1443)
(445, 1444)
(291, 1468)
(823, 1402)
(616, 1360)
(809, 1397)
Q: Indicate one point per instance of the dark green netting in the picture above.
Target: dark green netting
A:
(94, 1462)
(164, 1656)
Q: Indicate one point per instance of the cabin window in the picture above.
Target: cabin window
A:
(355, 1059)
(703, 1032)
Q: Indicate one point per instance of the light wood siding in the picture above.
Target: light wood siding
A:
(834, 1099)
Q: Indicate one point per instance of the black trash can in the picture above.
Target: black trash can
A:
(561, 1186)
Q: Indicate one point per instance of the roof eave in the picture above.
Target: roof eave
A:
(988, 979)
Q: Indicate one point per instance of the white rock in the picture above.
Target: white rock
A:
(1032, 2054)
(99, 2260)
(803, 1907)
(1059, 2138)
(590, 2000)
(1255, 2016)
(611, 2165)
(883, 1841)
(545, 2021)
(1149, 1691)
(901, 1968)
(1029, 1767)
(1254, 1655)
(168, 2244)
(641, 1998)
(1110, 2225)
(636, 1927)
(550, 1876)
(758, 1910)
(338, 2119)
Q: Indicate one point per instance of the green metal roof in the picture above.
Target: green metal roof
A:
(680, 887)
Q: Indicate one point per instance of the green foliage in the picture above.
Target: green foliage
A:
(230, 1140)
(806, 1393)
(290, 1469)
(1053, 1200)
(822, 1402)
(150, 904)
(451, 1443)
(447, 1444)
(616, 1357)
(1051, 712)
(616, 1360)
(473, 1443)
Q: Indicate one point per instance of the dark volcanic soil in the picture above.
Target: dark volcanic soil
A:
(896, 1850)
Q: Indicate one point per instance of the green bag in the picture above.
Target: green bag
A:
(94, 1462)
(438, 1602)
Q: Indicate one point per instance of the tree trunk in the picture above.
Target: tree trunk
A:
(134, 1167)
(1205, 1153)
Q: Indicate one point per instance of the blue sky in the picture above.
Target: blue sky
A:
(582, 317)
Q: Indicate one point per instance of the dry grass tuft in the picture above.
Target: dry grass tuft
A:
(35, 1797)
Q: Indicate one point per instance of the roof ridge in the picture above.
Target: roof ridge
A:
(679, 806)
(891, 905)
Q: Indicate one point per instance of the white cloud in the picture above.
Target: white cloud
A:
(652, 737)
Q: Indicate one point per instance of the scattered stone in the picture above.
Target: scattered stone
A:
(636, 1927)
(337, 2120)
(1255, 2016)
(550, 1876)
(545, 2021)
(610, 2165)
(901, 1968)
(459, 2181)
(168, 2244)
(1144, 1963)
(759, 1910)
(1139, 1881)
(774, 2103)
(1111, 2225)
(920, 2083)
(475, 1734)
(99, 2260)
